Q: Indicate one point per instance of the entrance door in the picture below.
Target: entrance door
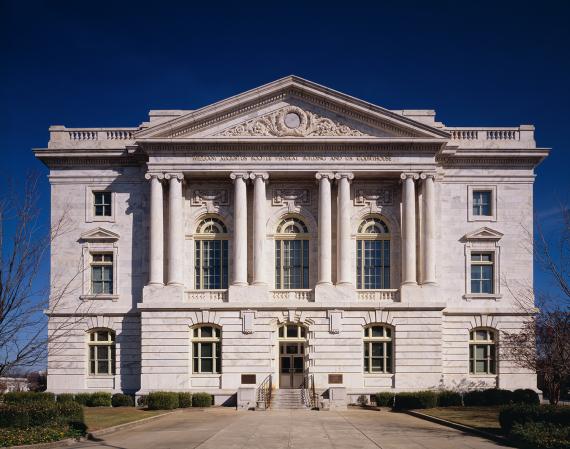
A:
(291, 364)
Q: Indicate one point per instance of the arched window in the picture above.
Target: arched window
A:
(292, 331)
(291, 255)
(378, 355)
(211, 254)
(482, 351)
(373, 255)
(101, 352)
(206, 349)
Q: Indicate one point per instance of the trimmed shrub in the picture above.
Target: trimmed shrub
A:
(24, 397)
(448, 398)
(526, 396)
(415, 400)
(491, 396)
(523, 414)
(162, 400)
(184, 400)
(541, 436)
(13, 436)
(100, 399)
(40, 414)
(82, 398)
(122, 400)
(384, 399)
(202, 399)
(142, 400)
(65, 398)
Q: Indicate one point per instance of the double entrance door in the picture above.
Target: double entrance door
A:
(291, 364)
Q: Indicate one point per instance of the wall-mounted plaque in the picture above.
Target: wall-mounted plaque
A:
(335, 378)
(248, 379)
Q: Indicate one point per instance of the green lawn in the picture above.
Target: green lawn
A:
(482, 418)
(97, 418)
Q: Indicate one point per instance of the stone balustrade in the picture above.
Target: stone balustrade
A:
(520, 136)
(378, 295)
(292, 295)
(60, 136)
(207, 296)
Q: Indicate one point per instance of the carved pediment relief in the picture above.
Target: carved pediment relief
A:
(99, 234)
(292, 121)
(291, 197)
(483, 233)
(212, 199)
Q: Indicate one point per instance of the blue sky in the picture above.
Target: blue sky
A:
(106, 63)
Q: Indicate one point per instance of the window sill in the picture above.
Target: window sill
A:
(101, 376)
(379, 375)
(482, 376)
(113, 298)
(482, 218)
(207, 375)
(492, 296)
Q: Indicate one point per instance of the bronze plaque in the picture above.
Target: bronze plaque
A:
(248, 379)
(335, 378)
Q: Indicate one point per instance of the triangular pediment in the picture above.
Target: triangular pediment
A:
(290, 108)
(99, 234)
(483, 233)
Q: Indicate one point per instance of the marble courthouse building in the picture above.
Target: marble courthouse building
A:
(289, 231)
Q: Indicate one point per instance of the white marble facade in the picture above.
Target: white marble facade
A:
(288, 150)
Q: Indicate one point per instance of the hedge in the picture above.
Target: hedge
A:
(415, 400)
(384, 399)
(526, 396)
(202, 400)
(22, 397)
(100, 399)
(540, 436)
(184, 400)
(162, 400)
(491, 396)
(142, 400)
(83, 398)
(40, 414)
(122, 400)
(524, 414)
(448, 398)
(33, 435)
(65, 398)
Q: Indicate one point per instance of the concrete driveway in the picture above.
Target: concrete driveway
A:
(221, 428)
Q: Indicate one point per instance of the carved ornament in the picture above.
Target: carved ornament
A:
(211, 198)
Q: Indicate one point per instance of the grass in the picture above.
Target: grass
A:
(482, 418)
(97, 418)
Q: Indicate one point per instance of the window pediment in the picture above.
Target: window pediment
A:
(99, 235)
(483, 234)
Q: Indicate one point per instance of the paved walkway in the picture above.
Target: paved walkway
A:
(220, 428)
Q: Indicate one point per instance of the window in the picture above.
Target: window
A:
(373, 255)
(102, 204)
(292, 255)
(482, 203)
(206, 350)
(211, 255)
(378, 349)
(101, 352)
(292, 332)
(482, 272)
(482, 353)
(102, 273)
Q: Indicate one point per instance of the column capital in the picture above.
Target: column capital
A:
(151, 175)
(324, 175)
(262, 175)
(179, 176)
(407, 175)
(347, 175)
(239, 175)
(426, 175)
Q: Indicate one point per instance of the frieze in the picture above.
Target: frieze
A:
(292, 121)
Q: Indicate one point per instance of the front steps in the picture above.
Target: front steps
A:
(287, 399)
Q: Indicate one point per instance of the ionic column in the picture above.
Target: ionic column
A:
(409, 228)
(240, 229)
(344, 253)
(259, 226)
(175, 229)
(325, 228)
(429, 228)
(156, 237)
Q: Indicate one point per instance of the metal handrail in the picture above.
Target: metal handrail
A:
(264, 392)
(309, 393)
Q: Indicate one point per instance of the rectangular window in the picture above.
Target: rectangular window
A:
(482, 273)
(102, 204)
(102, 273)
(482, 203)
(482, 359)
(292, 264)
(373, 264)
(211, 264)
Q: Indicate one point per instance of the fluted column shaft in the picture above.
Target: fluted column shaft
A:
(344, 253)
(156, 237)
(240, 229)
(259, 226)
(175, 229)
(325, 229)
(409, 228)
(429, 228)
